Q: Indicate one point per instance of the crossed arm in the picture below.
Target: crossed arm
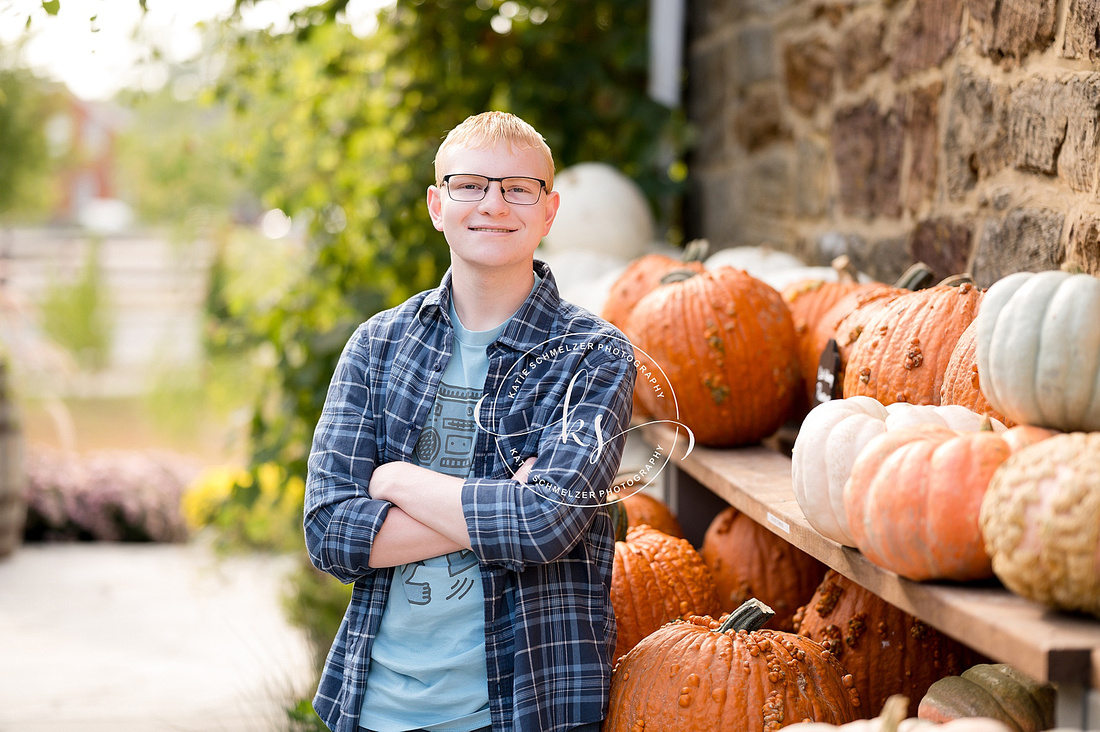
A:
(426, 519)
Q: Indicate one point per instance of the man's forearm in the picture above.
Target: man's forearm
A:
(430, 498)
(403, 539)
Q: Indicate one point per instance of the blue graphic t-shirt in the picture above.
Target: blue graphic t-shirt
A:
(427, 666)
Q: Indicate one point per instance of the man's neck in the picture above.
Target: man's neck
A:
(484, 299)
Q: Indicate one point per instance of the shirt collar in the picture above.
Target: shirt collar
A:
(529, 327)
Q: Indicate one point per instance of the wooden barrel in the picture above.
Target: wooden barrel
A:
(13, 506)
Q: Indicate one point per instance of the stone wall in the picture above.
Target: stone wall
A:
(962, 133)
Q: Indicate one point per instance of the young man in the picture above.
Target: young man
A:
(459, 468)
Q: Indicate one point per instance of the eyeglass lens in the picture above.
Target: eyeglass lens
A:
(469, 188)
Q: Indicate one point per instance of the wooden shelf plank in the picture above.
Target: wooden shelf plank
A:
(1045, 644)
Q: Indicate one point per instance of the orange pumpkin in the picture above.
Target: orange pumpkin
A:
(844, 321)
(642, 508)
(902, 353)
(960, 378)
(746, 561)
(914, 497)
(724, 341)
(657, 578)
(809, 301)
(701, 675)
(886, 650)
(642, 276)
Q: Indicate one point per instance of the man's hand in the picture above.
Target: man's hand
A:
(524, 469)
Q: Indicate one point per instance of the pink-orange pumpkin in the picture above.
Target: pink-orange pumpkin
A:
(915, 494)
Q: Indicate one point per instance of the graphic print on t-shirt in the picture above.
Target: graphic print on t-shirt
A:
(418, 578)
(445, 445)
(447, 442)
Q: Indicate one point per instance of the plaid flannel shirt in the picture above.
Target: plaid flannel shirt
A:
(557, 377)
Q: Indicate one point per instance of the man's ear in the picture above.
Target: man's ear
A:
(435, 207)
(553, 200)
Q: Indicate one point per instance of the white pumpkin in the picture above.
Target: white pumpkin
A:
(830, 439)
(912, 724)
(1038, 349)
(601, 210)
(892, 719)
(954, 416)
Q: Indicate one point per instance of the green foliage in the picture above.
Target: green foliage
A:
(23, 154)
(78, 315)
(251, 509)
(345, 129)
(302, 718)
(175, 168)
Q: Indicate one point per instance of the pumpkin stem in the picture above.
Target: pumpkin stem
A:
(845, 272)
(986, 424)
(619, 520)
(917, 277)
(957, 279)
(752, 615)
(893, 712)
(678, 275)
(695, 250)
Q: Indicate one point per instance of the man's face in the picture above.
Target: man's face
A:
(491, 232)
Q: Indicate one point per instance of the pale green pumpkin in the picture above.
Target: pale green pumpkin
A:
(1038, 349)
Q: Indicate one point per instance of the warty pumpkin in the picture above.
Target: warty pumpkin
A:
(845, 321)
(656, 578)
(1040, 521)
(914, 497)
(643, 275)
(886, 650)
(994, 690)
(961, 382)
(809, 300)
(725, 343)
(701, 675)
(831, 437)
(747, 560)
(1038, 349)
(902, 353)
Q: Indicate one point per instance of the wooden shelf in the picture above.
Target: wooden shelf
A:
(1045, 644)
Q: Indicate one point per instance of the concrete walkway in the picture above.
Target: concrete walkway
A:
(124, 637)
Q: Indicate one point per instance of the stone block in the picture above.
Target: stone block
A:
(882, 258)
(1011, 29)
(754, 56)
(1054, 128)
(812, 181)
(808, 65)
(710, 97)
(1025, 240)
(759, 120)
(770, 182)
(976, 139)
(721, 207)
(1083, 247)
(867, 147)
(860, 52)
(1082, 36)
(943, 244)
(919, 117)
(710, 15)
(928, 36)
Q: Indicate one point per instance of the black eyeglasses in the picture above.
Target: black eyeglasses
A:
(519, 190)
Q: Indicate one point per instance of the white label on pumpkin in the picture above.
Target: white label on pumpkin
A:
(778, 522)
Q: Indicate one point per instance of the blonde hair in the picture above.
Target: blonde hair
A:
(490, 128)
